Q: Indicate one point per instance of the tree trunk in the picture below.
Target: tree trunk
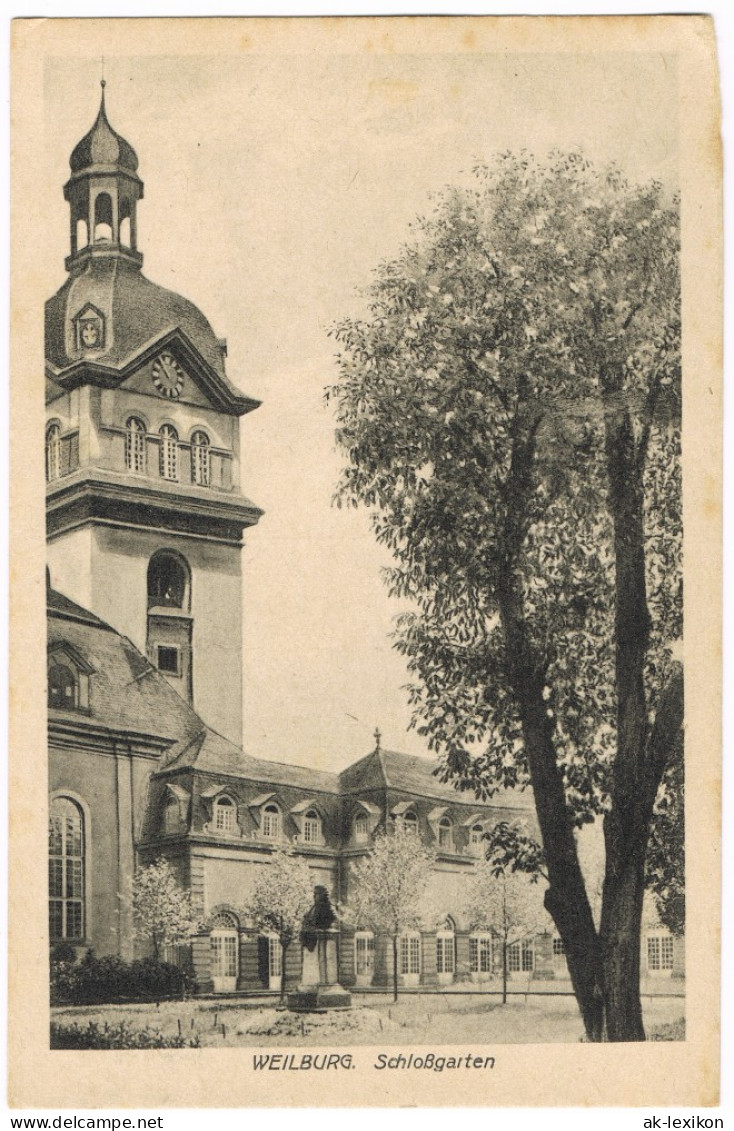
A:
(566, 898)
(641, 752)
(395, 967)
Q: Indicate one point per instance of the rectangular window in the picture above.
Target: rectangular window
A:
(558, 947)
(410, 954)
(275, 958)
(480, 955)
(660, 952)
(169, 659)
(445, 954)
(364, 954)
(520, 958)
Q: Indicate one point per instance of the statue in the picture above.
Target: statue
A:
(319, 988)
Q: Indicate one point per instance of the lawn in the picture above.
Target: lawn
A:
(415, 1020)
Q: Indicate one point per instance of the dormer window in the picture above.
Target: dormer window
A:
(67, 679)
(225, 814)
(312, 827)
(410, 822)
(476, 840)
(200, 463)
(171, 815)
(271, 822)
(62, 688)
(361, 829)
(445, 834)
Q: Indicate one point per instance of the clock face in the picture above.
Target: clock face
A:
(168, 376)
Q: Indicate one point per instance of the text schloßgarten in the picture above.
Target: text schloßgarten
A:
(319, 1062)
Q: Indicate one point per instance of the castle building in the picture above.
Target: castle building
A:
(145, 525)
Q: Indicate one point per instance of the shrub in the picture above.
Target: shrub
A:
(109, 978)
(122, 1036)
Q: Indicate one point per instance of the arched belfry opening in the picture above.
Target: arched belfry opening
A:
(170, 624)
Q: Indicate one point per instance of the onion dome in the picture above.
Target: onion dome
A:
(103, 146)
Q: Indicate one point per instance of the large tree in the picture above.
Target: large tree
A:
(387, 887)
(509, 406)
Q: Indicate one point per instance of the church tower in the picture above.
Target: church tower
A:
(145, 515)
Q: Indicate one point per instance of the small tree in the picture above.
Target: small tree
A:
(164, 912)
(510, 904)
(388, 887)
(282, 895)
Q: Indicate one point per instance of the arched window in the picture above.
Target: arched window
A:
(135, 444)
(125, 225)
(168, 457)
(53, 452)
(312, 827)
(225, 814)
(445, 833)
(224, 952)
(62, 687)
(361, 829)
(66, 868)
(103, 217)
(446, 952)
(82, 234)
(168, 582)
(410, 822)
(271, 822)
(476, 840)
(200, 459)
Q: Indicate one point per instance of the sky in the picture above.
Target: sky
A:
(274, 185)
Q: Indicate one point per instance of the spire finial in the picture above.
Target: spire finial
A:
(378, 738)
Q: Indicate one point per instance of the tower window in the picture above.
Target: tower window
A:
(168, 460)
(53, 452)
(167, 582)
(169, 659)
(125, 224)
(103, 217)
(82, 234)
(200, 459)
(66, 863)
(135, 445)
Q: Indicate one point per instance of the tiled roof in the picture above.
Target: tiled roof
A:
(138, 312)
(209, 752)
(126, 692)
(415, 775)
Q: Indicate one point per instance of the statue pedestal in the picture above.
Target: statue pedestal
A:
(319, 988)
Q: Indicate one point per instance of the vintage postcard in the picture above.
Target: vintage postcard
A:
(381, 429)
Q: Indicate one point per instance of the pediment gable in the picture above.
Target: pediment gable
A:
(168, 367)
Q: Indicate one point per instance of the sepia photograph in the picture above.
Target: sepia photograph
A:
(368, 376)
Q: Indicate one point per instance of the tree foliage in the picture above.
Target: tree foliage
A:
(509, 409)
(164, 912)
(281, 897)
